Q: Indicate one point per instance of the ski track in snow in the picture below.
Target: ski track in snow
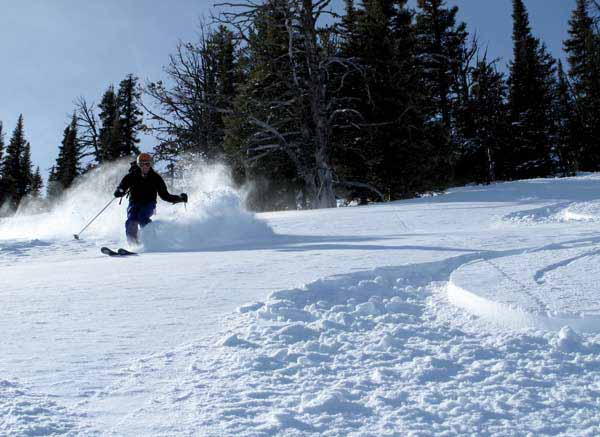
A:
(466, 341)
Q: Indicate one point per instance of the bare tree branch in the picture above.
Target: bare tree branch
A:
(87, 123)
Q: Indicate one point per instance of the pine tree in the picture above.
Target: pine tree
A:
(12, 167)
(349, 27)
(1, 142)
(26, 182)
(532, 79)
(53, 189)
(2, 188)
(485, 136)
(37, 183)
(389, 153)
(110, 130)
(441, 42)
(67, 166)
(569, 138)
(220, 89)
(130, 116)
(582, 48)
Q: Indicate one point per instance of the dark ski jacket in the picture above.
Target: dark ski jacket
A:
(143, 190)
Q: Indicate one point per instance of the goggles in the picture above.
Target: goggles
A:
(145, 164)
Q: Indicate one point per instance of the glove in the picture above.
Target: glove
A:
(183, 197)
(119, 192)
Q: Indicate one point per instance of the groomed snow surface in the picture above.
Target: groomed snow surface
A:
(475, 312)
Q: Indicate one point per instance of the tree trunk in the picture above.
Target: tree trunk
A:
(325, 195)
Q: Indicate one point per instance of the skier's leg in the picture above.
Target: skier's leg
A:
(131, 225)
(146, 211)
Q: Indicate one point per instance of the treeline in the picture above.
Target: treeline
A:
(17, 177)
(94, 135)
(98, 134)
(384, 103)
(377, 103)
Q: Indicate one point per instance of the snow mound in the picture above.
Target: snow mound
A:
(373, 353)
(25, 414)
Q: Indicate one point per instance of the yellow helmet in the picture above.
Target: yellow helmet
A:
(144, 157)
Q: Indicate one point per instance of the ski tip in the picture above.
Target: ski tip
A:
(108, 251)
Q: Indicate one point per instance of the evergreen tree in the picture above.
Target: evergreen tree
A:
(26, 181)
(130, 116)
(569, 141)
(582, 48)
(12, 166)
(441, 43)
(220, 89)
(53, 189)
(37, 183)
(390, 151)
(2, 188)
(110, 129)
(485, 135)
(440, 40)
(67, 166)
(1, 142)
(531, 84)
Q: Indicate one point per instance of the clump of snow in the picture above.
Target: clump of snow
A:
(378, 354)
(249, 307)
(234, 341)
(331, 403)
(567, 340)
(23, 413)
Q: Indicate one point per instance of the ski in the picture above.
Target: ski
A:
(119, 252)
(109, 252)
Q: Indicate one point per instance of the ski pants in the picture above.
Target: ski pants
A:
(138, 215)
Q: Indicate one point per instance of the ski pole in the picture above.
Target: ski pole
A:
(91, 221)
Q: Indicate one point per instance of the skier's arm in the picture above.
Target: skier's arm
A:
(164, 194)
(123, 186)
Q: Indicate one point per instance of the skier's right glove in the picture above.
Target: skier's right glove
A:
(119, 192)
(183, 197)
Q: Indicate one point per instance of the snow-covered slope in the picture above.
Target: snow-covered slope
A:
(474, 312)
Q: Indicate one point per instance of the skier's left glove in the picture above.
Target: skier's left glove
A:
(183, 197)
(120, 192)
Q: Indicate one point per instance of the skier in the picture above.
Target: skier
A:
(143, 183)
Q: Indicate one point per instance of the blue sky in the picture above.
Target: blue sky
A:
(53, 51)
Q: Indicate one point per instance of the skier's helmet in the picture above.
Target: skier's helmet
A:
(144, 157)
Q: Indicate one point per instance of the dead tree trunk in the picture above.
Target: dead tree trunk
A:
(305, 135)
(317, 89)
